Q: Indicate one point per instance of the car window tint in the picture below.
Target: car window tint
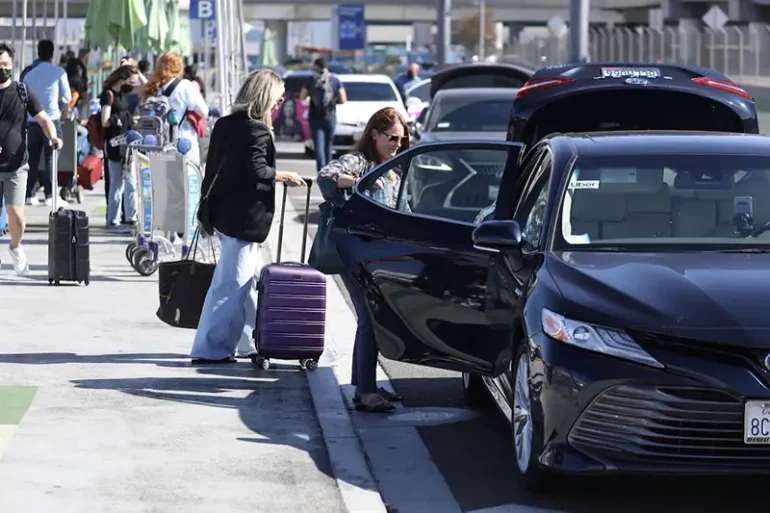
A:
(454, 183)
(370, 92)
(471, 115)
(534, 204)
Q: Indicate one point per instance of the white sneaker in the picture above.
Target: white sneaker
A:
(60, 203)
(19, 260)
(32, 202)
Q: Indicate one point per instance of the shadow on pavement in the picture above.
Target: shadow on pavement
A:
(278, 409)
(159, 359)
(312, 218)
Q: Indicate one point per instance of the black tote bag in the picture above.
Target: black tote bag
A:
(182, 288)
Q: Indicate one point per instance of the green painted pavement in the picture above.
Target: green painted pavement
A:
(14, 403)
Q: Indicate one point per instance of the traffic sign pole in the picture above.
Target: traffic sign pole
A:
(578, 26)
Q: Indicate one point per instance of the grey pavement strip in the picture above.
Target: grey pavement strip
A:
(122, 422)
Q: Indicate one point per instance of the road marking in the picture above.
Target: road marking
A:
(14, 403)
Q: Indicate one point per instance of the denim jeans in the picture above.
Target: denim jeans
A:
(230, 311)
(37, 143)
(365, 352)
(322, 132)
(122, 192)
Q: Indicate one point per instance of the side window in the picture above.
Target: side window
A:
(531, 211)
(449, 183)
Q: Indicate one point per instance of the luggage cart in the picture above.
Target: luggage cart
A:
(168, 192)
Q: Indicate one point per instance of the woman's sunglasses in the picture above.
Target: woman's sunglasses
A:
(279, 102)
(394, 139)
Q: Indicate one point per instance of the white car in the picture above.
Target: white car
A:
(366, 95)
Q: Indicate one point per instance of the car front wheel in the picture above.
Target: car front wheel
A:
(527, 425)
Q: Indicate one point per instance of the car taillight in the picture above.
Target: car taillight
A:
(542, 83)
(722, 85)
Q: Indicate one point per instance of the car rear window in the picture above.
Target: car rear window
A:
(370, 92)
(666, 200)
(470, 115)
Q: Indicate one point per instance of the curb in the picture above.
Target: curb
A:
(356, 483)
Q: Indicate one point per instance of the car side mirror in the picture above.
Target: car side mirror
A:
(497, 236)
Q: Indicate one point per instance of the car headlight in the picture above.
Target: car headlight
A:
(595, 338)
(431, 163)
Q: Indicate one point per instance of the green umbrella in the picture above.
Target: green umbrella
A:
(111, 22)
(152, 37)
(185, 45)
(174, 34)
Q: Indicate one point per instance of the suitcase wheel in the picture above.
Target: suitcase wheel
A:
(310, 365)
(51, 281)
(261, 361)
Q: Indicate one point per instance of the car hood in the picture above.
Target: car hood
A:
(358, 113)
(719, 297)
(426, 137)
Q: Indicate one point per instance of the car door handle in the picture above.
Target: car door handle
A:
(368, 231)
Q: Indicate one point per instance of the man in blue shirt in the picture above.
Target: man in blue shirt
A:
(326, 92)
(49, 84)
(411, 76)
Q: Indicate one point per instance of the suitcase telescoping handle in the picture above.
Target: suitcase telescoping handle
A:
(54, 180)
(309, 182)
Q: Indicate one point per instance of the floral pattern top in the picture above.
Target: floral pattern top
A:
(385, 189)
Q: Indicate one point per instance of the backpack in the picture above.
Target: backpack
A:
(322, 96)
(27, 70)
(96, 132)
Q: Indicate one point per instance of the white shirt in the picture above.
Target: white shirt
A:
(187, 97)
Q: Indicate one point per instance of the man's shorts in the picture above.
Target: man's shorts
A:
(14, 186)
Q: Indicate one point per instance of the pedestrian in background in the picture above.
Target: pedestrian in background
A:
(241, 204)
(48, 82)
(385, 136)
(325, 92)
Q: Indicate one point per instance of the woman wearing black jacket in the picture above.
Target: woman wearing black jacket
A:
(240, 171)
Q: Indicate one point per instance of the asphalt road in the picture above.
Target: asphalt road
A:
(475, 457)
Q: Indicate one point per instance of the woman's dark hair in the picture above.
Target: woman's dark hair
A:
(382, 121)
(122, 73)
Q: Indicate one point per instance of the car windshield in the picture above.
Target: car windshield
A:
(470, 114)
(421, 92)
(666, 201)
(370, 92)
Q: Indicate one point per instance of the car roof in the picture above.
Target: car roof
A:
(607, 144)
(480, 92)
(380, 79)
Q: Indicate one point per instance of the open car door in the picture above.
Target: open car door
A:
(424, 282)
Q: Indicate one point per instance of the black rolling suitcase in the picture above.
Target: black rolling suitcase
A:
(68, 250)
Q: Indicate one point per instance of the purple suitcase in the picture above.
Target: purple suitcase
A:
(291, 310)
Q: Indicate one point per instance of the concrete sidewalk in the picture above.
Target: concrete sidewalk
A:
(100, 409)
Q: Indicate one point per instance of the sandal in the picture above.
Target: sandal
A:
(385, 394)
(376, 404)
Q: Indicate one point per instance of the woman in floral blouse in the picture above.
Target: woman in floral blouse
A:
(385, 136)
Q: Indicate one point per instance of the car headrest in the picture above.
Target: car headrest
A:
(649, 202)
(598, 207)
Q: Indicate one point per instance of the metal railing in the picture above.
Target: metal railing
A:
(733, 50)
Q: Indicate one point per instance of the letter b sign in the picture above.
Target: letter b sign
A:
(203, 9)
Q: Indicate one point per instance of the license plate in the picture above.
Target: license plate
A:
(619, 72)
(756, 424)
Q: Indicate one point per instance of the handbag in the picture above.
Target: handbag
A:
(324, 256)
(204, 209)
(182, 288)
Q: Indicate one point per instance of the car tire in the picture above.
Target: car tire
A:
(474, 391)
(527, 425)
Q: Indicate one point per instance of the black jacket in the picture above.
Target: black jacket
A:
(242, 202)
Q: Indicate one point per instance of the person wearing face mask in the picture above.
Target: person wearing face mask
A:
(16, 103)
(49, 83)
(385, 136)
(117, 120)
